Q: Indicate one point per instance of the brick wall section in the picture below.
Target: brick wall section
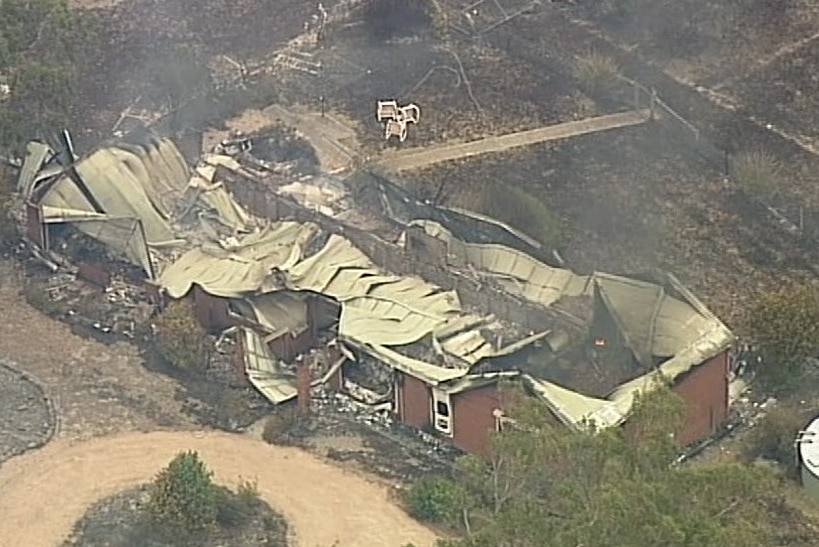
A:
(415, 401)
(705, 391)
(472, 421)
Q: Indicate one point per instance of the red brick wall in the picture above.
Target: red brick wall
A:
(705, 391)
(415, 402)
(472, 419)
(290, 344)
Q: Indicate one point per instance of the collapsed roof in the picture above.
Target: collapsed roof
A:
(657, 320)
(135, 196)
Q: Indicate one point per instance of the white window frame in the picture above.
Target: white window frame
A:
(442, 424)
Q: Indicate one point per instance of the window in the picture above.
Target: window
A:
(442, 409)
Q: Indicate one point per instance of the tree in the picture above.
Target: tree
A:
(180, 339)
(547, 485)
(46, 48)
(183, 496)
(785, 326)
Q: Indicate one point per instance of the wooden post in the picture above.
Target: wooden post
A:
(303, 380)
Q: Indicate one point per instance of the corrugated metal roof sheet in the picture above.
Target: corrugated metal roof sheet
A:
(655, 322)
(264, 372)
(241, 269)
(127, 181)
(515, 272)
(36, 155)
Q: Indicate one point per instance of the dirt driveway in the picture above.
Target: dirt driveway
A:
(45, 492)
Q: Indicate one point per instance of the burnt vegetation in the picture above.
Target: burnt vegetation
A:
(391, 19)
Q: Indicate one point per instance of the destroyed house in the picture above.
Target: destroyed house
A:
(311, 309)
(337, 298)
(639, 331)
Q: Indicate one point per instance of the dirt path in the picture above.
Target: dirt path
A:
(44, 493)
(417, 158)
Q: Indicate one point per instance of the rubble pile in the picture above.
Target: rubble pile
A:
(369, 374)
(393, 450)
(121, 308)
(222, 363)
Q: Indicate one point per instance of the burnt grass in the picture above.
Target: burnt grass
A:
(508, 95)
(122, 521)
(632, 200)
(143, 37)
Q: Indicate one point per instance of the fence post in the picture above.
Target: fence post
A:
(653, 102)
(727, 163)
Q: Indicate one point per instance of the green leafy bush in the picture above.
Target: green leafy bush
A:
(180, 339)
(435, 499)
(183, 496)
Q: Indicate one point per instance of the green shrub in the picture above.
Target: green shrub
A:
(758, 172)
(180, 339)
(596, 74)
(183, 496)
(435, 499)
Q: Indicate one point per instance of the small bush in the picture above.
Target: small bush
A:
(758, 172)
(180, 339)
(596, 74)
(236, 510)
(435, 499)
(520, 209)
(280, 425)
(183, 496)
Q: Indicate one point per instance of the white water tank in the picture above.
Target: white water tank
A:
(807, 446)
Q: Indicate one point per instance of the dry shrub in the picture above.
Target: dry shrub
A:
(758, 172)
(773, 437)
(180, 339)
(596, 74)
(515, 206)
(279, 426)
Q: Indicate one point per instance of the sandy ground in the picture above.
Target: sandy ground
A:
(323, 504)
(98, 389)
(107, 400)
